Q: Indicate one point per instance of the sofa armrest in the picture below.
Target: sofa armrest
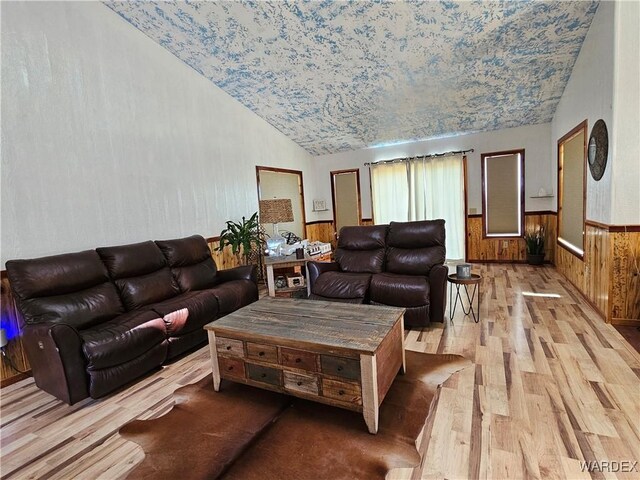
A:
(315, 269)
(438, 292)
(58, 365)
(243, 272)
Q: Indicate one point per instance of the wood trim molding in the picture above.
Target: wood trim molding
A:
(532, 212)
(260, 168)
(15, 378)
(581, 127)
(540, 212)
(498, 261)
(483, 157)
(466, 206)
(613, 228)
(629, 322)
(317, 222)
(332, 176)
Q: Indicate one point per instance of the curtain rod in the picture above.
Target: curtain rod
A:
(406, 159)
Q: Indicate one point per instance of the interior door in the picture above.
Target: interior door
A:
(345, 189)
(282, 183)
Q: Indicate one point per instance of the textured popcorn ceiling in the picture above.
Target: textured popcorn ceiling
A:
(337, 76)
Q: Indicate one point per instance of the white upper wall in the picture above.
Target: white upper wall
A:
(589, 95)
(535, 139)
(108, 139)
(626, 110)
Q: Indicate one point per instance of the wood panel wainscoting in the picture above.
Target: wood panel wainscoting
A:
(12, 323)
(482, 249)
(322, 231)
(608, 275)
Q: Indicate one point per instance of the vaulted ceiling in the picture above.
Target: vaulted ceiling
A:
(337, 75)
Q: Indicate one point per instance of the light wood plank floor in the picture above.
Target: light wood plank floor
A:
(551, 386)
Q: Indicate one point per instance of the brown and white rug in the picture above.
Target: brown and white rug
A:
(245, 433)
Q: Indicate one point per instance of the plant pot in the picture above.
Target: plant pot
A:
(535, 258)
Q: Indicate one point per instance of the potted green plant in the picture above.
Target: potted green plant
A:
(535, 245)
(241, 237)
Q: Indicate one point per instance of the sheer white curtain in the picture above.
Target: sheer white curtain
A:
(422, 189)
(390, 184)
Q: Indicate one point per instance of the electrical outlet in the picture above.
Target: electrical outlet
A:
(505, 244)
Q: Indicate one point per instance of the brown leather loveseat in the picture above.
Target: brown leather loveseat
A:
(400, 264)
(97, 319)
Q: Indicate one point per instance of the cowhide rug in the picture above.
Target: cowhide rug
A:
(245, 433)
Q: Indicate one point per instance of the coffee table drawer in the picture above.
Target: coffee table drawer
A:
(299, 359)
(340, 367)
(343, 391)
(231, 367)
(229, 346)
(272, 376)
(266, 353)
(301, 383)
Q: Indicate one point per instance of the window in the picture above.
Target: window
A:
(571, 179)
(422, 188)
(503, 194)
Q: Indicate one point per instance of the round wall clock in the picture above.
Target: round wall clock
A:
(598, 149)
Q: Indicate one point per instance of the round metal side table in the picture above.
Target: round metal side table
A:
(465, 282)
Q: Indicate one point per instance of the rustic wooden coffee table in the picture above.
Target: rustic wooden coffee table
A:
(340, 354)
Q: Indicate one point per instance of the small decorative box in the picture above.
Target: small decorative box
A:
(295, 281)
(463, 270)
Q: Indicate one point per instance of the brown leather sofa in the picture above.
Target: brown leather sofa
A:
(96, 320)
(400, 264)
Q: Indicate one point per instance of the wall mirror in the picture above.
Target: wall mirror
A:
(572, 151)
(280, 183)
(345, 192)
(503, 193)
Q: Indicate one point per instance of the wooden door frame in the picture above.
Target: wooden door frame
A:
(332, 174)
(483, 156)
(581, 127)
(260, 168)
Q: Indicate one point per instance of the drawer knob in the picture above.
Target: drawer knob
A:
(229, 368)
(298, 360)
(228, 347)
(261, 354)
(339, 369)
(299, 383)
(264, 375)
(340, 392)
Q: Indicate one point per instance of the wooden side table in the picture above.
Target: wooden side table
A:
(287, 262)
(465, 282)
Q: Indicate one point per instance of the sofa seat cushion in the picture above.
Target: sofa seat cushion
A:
(355, 301)
(234, 294)
(202, 307)
(342, 285)
(122, 339)
(399, 290)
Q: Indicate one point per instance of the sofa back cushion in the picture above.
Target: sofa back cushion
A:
(140, 273)
(190, 261)
(361, 249)
(415, 247)
(72, 288)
